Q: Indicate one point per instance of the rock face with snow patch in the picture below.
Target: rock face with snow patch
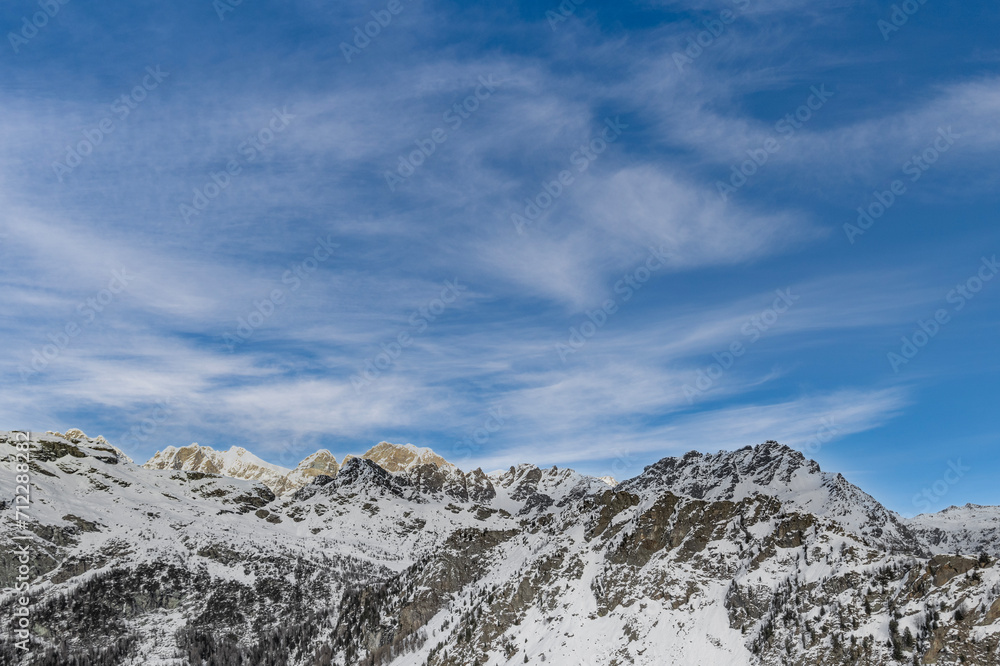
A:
(401, 457)
(778, 471)
(753, 557)
(236, 463)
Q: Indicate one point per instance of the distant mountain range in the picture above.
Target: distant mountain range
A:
(754, 557)
(238, 463)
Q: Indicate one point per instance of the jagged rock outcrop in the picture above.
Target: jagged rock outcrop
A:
(433, 480)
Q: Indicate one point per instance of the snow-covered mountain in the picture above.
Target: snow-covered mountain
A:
(968, 529)
(752, 557)
(238, 463)
(400, 458)
(776, 471)
(321, 463)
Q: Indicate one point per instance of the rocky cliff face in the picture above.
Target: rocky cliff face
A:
(753, 557)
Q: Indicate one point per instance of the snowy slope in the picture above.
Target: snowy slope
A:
(967, 529)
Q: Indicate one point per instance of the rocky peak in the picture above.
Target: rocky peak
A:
(77, 436)
(360, 474)
(192, 458)
(236, 462)
(321, 463)
(728, 475)
(402, 457)
(538, 489)
(775, 470)
(969, 529)
(321, 460)
(239, 463)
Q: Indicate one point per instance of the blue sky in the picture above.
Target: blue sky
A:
(513, 232)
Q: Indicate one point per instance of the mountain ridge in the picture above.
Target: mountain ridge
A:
(401, 457)
(753, 557)
(237, 462)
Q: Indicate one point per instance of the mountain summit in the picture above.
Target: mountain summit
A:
(401, 457)
(235, 463)
(778, 471)
(238, 463)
